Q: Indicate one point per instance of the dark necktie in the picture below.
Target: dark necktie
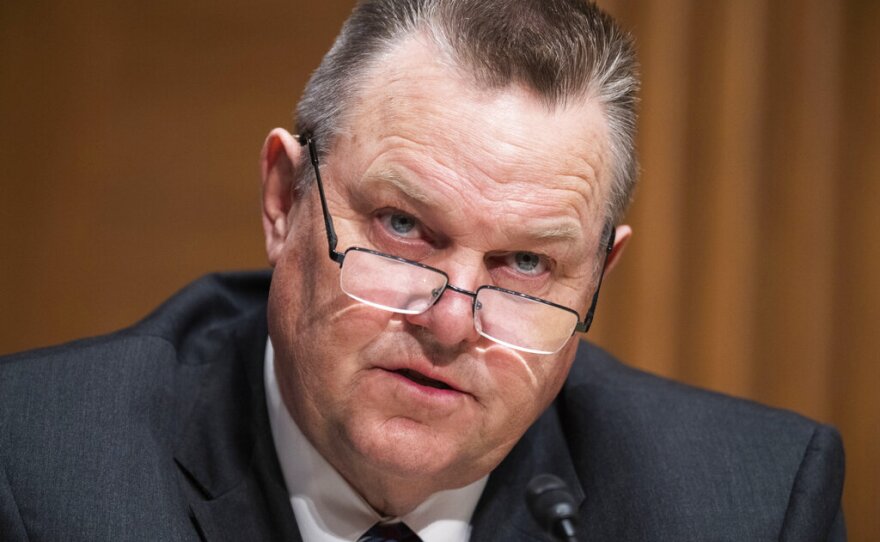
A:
(389, 532)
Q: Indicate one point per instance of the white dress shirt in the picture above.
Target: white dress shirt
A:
(328, 509)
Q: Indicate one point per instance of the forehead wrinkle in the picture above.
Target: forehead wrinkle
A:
(541, 219)
(557, 208)
(526, 170)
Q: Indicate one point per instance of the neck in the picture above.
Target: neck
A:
(390, 497)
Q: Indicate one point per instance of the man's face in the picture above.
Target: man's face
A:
(491, 186)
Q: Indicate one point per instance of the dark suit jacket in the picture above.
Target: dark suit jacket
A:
(160, 432)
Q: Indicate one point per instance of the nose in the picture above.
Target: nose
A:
(451, 319)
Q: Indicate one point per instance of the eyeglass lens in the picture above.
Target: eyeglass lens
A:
(521, 322)
(390, 284)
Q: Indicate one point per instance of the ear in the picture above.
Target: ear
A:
(621, 238)
(281, 158)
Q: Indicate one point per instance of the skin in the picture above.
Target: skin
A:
(434, 169)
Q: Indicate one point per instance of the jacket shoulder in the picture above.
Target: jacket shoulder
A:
(87, 428)
(759, 470)
(597, 378)
(137, 365)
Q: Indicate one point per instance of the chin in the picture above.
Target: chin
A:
(404, 448)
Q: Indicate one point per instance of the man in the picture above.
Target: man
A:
(438, 229)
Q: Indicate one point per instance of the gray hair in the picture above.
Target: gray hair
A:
(562, 49)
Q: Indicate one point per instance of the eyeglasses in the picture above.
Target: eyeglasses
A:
(391, 283)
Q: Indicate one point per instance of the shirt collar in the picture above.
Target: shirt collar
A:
(328, 509)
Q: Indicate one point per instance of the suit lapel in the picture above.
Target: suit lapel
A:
(502, 513)
(231, 475)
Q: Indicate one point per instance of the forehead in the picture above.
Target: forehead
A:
(505, 144)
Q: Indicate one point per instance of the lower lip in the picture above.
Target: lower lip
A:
(434, 393)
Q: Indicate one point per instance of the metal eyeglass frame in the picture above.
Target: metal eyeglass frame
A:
(582, 326)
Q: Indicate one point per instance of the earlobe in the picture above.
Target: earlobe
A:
(623, 234)
(279, 162)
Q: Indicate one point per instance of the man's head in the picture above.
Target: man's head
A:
(563, 50)
(443, 141)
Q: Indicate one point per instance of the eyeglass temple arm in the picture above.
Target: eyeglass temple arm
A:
(584, 326)
(306, 139)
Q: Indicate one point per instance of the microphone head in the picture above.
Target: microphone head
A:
(549, 501)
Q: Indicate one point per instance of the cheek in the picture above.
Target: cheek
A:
(319, 333)
(319, 326)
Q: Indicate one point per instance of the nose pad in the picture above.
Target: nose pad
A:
(450, 319)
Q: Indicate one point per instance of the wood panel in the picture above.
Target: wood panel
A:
(131, 136)
(652, 312)
(799, 223)
(854, 374)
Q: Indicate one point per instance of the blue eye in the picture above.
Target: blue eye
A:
(527, 263)
(400, 224)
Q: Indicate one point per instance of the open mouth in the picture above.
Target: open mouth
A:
(423, 380)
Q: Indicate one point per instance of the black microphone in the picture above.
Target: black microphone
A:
(552, 506)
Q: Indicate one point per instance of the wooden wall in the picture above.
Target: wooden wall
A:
(130, 133)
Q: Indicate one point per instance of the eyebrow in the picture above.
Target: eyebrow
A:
(393, 179)
(555, 231)
(559, 231)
